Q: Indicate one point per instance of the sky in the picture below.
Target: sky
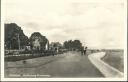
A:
(96, 23)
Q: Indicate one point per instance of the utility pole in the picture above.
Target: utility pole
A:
(18, 41)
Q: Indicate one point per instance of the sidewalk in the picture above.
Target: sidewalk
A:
(33, 62)
(106, 70)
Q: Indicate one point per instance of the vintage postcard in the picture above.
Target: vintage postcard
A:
(69, 40)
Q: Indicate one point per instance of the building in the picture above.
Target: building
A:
(56, 46)
(39, 42)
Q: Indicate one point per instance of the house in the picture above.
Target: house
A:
(38, 42)
(55, 46)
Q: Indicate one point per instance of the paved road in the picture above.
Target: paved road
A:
(71, 64)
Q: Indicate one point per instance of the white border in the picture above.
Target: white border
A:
(125, 41)
(2, 38)
(61, 79)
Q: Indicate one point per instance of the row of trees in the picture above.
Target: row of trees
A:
(73, 45)
(14, 37)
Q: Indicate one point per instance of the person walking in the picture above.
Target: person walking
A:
(85, 50)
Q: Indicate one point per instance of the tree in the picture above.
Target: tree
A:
(76, 44)
(65, 44)
(13, 33)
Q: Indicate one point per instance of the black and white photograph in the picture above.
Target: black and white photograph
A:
(64, 39)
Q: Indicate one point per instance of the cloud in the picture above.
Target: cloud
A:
(95, 22)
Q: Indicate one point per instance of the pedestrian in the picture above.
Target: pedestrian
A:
(85, 50)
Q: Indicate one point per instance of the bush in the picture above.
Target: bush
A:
(31, 55)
